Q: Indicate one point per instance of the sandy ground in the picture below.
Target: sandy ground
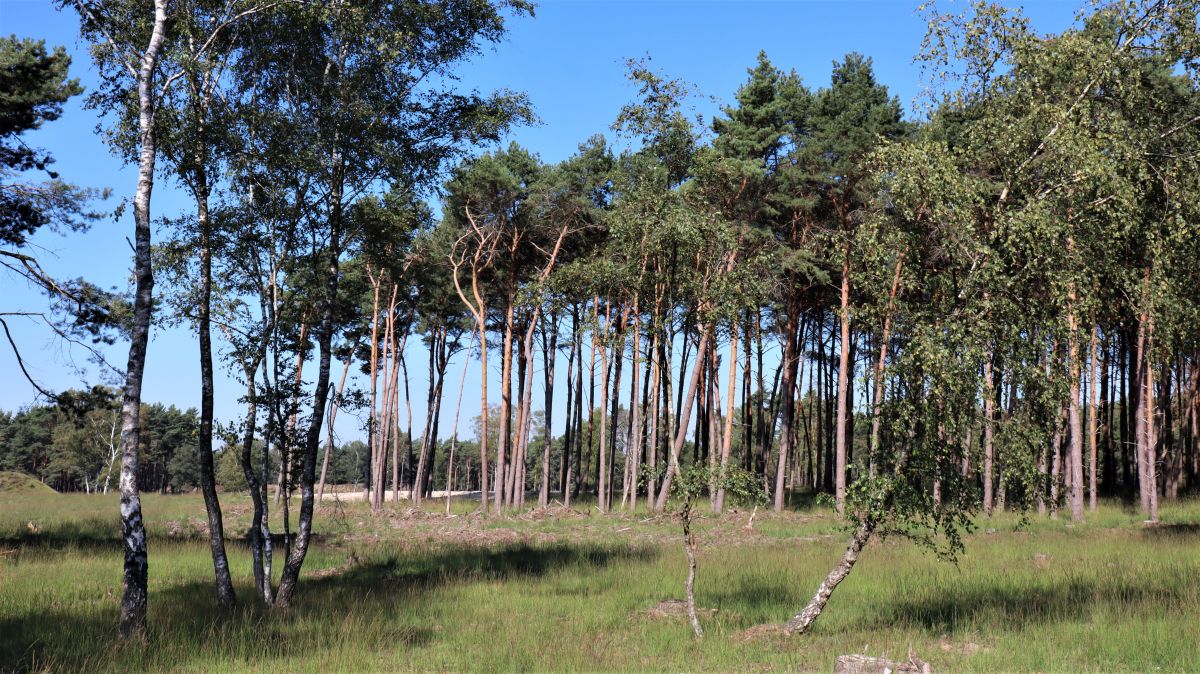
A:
(358, 495)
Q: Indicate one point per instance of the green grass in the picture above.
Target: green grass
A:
(569, 591)
(12, 482)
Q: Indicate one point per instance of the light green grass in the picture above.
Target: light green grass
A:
(569, 591)
(12, 482)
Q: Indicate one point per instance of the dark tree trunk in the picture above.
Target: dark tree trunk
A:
(989, 415)
(299, 548)
(549, 351)
(791, 359)
(681, 431)
(257, 497)
(204, 448)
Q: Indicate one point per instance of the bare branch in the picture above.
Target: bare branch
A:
(21, 363)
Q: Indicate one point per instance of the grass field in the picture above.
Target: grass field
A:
(573, 591)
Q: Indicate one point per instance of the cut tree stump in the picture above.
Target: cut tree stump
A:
(862, 664)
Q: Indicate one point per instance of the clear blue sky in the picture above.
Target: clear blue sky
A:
(569, 59)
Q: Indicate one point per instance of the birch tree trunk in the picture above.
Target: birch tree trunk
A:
(257, 497)
(802, 621)
(133, 530)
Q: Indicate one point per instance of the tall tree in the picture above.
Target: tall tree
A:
(35, 86)
(131, 42)
(363, 94)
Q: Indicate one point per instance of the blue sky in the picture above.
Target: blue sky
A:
(569, 59)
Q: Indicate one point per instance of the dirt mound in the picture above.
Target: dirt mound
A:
(673, 608)
(765, 632)
(19, 483)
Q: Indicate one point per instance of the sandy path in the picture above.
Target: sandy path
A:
(358, 495)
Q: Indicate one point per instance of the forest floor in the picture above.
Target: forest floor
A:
(572, 590)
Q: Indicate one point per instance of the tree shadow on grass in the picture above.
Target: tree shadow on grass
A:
(1013, 607)
(86, 534)
(358, 608)
(102, 537)
(752, 597)
(801, 500)
(1172, 531)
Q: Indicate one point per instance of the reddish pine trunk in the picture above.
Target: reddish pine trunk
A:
(843, 386)
(727, 441)
(681, 431)
(1075, 416)
(1093, 392)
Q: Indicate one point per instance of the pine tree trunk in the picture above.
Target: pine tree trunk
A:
(1150, 442)
(617, 363)
(462, 380)
(1093, 392)
(655, 419)
(727, 441)
(1075, 416)
(503, 477)
(989, 416)
(842, 388)
(791, 329)
(685, 415)
(633, 432)
(526, 414)
(1141, 432)
(549, 353)
(586, 470)
(397, 478)
(437, 349)
(372, 423)
(569, 432)
(598, 344)
(877, 402)
(479, 310)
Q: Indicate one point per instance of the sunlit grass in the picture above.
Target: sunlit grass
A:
(570, 591)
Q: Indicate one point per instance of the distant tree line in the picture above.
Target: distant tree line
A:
(72, 445)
